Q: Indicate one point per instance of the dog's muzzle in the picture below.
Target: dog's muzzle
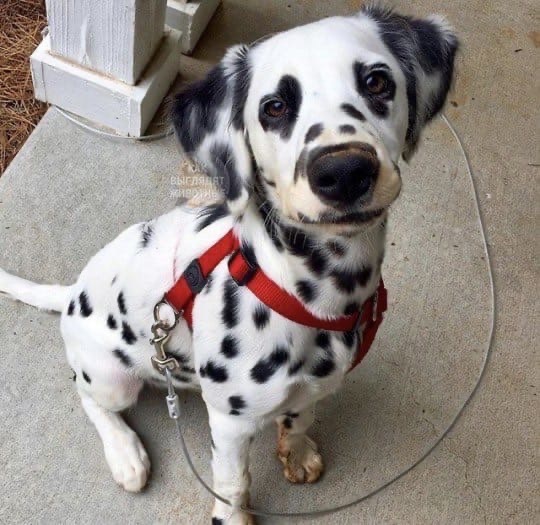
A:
(341, 175)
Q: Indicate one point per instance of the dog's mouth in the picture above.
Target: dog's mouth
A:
(356, 218)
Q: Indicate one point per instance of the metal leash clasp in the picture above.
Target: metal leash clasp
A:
(161, 330)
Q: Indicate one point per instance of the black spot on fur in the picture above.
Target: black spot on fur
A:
(349, 338)
(323, 340)
(195, 109)
(306, 290)
(317, 261)
(299, 243)
(270, 224)
(292, 414)
(377, 103)
(215, 372)
(229, 346)
(344, 280)
(217, 521)
(237, 404)
(287, 422)
(127, 334)
(353, 112)
(336, 248)
(86, 377)
(209, 214)
(111, 322)
(347, 129)
(249, 254)
(123, 357)
(229, 313)
(71, 308)
(84, 302)
(324, 367)
(226, 175)
(295, 367)
(364, 275)
(351, 308)
(261, 316)
(313, 132)
(121, 303)
(290, 92)
(268, 366)
(147, 231)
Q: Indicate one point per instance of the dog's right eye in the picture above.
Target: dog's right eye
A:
(274, 108)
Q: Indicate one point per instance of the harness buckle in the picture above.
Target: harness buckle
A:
(249, 272)
(194, 277)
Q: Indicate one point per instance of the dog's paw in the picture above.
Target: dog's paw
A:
(128, 460)
(302, 461)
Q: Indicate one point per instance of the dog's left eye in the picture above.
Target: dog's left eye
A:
(274, 108)
(377, 83)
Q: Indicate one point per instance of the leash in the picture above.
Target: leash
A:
(166, 365)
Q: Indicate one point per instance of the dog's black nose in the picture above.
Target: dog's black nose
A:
(342, 174)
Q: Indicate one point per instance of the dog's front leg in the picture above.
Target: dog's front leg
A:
(296, 450)
(231, 439)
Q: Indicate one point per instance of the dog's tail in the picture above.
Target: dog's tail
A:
(44, 296)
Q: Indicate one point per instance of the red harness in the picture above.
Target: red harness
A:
(182, 295)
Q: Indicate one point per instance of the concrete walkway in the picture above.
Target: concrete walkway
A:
(69, 192)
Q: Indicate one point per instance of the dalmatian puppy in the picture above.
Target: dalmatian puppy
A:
(303, 132)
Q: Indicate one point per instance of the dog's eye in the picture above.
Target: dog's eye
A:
(377, 83)
(274, 108)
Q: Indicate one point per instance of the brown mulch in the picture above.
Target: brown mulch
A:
(21, 23)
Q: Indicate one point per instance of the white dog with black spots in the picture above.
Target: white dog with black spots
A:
(303, 132)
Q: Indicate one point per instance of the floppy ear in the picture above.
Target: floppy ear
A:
(209, 123)
(425, 49)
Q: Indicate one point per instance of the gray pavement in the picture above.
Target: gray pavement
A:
(69, 192)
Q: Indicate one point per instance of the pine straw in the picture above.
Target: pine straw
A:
(21, 23)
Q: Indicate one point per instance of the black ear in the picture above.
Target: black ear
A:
(209, 123)
(425, 49)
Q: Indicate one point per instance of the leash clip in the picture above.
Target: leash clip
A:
(161, 329)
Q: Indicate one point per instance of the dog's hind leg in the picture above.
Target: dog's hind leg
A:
(296, 450)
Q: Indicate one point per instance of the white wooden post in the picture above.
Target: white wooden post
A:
(191, 18)
(110, 61)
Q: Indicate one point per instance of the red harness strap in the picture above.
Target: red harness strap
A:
(182, 295)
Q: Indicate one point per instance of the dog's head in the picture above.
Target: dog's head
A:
(318, 116)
